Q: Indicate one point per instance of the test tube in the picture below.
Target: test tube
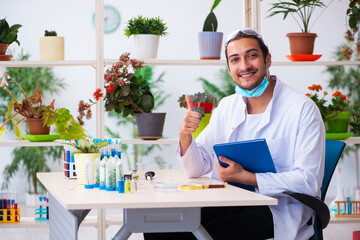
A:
(113, 147)
(103, 173)
(1, 207)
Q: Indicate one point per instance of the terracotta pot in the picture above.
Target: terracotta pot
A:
(301, 43)
(150, 125)
(3, 48)
(36, 126)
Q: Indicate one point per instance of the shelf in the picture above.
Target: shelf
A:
(25, 143)
(47, 63)
(167, 62)
(89, 221)
(334, 219)
(352, 140)
(187, 62)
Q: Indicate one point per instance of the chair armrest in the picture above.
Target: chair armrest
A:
(320, 208)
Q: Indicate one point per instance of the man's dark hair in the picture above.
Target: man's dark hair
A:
(239, 35)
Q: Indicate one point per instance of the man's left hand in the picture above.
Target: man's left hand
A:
(235, 173)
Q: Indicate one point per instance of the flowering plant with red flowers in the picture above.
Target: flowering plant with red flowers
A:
(339, 101)
(85, 108)
(126, 92)
(353, 21)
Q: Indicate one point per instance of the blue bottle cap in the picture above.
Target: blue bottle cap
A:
(89, 186)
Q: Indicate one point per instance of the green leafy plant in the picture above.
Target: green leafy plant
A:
(339, 101)
(8, 34)
(353, 14)
(87, 146)
(144, 25)
(135, 151)
(126, 92)
(225, 88)
(32, 107)
(303, 9)
(200, 97)
(211, 23)
(31, 160)
(346, 78)
(50, 33)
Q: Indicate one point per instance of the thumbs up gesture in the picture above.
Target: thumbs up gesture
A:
(191, 118)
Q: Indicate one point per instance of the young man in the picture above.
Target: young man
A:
(262, 107)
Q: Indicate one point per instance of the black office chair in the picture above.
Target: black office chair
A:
(333, 151)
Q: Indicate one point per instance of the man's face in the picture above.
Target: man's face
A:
(246, 63)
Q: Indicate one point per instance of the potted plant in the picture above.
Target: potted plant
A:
(336, 115)
(303, 42)
(129, 94)
(39, 117)
(85, 149)
(8, 35)
(210, 40)
(147, 32)
(51, 47)
(353, 15)
(203, 103)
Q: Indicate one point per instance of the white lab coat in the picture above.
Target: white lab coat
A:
(295, 133)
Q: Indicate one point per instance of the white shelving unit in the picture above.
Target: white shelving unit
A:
(251, 19)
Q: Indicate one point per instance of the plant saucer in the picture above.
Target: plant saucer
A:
(149, 137)
(338, 136)
(303, 57)
(41, 138)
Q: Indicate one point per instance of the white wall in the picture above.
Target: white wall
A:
(73, 20)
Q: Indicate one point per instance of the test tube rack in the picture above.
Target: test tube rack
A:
(10, 215)
(351, 209)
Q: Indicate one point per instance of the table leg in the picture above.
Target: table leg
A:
(64, 224)
(162, 220)
(201, 233)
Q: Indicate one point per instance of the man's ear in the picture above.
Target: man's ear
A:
(268, 60)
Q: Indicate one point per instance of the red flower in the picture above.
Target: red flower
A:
(110, 89)
(98, 94)
(308, 95)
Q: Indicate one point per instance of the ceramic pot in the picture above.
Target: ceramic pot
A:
(208, 107)
(36, 126)
(80, 164)
(52, 48)
(150, 125)
(337, 122)
(210, 45)
(301, 43)
(146, 46)
(203, 123)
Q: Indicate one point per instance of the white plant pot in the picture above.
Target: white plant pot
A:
(146, 46)
(210, 45)
(80, 164)
(52, 48)
(31, 199)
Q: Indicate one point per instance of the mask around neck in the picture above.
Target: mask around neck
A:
(256, 92)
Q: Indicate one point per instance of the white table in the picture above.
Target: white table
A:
(144, 211)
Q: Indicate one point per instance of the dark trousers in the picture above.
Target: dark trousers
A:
(255, 222)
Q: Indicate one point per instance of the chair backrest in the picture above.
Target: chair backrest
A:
(333, 151)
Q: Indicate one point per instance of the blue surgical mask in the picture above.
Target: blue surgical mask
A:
(256, 92)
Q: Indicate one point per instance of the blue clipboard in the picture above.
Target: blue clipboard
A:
(253, 155)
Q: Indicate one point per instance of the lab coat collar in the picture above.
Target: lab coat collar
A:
(241, 111)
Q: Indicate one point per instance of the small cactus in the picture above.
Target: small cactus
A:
(50, 33)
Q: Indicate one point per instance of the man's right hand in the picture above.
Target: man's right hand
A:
(189, 125)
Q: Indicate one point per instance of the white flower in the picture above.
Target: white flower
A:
(4, 82)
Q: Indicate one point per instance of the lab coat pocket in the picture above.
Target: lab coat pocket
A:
(278, 151)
